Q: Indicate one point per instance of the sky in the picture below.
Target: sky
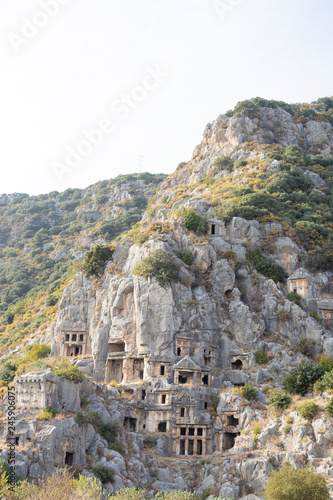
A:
(91, 89)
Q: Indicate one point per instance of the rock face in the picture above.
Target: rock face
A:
(224, 134)
(180, 354)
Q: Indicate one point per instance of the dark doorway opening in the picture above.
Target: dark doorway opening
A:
(229, 440)
(212, 229)
(237, 365)
(199, 447)
(179, 351)
(199, 431)
(183, 431)
(190, 447)
(162, 427)
(162, 371)
(231, 420)
(205, 380)
(182, 447)
(69, 458)
(130, 424)
(191, 431)
(143, 394)
(182, 379)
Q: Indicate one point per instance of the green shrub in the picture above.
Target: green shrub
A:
(105, 474)
(248, 392)
(294, 297)
(95, 260)
(194, 222)
(329, 407)
(279, 399)
(223, 163)
(320, 260)
(315, 316)
(326, 362)
(293, 153)
(214, 400)
(325, 383)
(299, 380)
(251, 107)
(92, 418)
(261, 357)
(175, 495)
(72, 373)
(109, 432)
(303, 346)
(7, 371)
(291, 484)
(186, 256)
(8, 318)
(47, 414)
(286, 429)
(265, 266)
(84, 403)
(159, 265)
(307, 410)
(39, 351)
(130, 494)
(51, 300)
(6, 471)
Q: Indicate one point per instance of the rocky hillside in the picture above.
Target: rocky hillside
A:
(41, 237)
(205, 337)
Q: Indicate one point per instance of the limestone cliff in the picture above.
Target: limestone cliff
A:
(180, 354)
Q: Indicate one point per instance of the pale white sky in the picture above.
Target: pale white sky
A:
(70, 68)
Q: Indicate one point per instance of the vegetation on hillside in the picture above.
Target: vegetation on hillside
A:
(41, 235)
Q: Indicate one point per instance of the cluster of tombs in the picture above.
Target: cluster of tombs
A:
(171, 394)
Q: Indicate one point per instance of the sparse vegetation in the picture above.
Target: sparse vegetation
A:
(261, 357)
(279, 399)
(255, 258)
(95, 260)
(65, 370)
(307, 410)
(194, 222)
(248, 392)
(159, 265)
(291, 484)
(299, 380)
(105, 474)
(294, 297)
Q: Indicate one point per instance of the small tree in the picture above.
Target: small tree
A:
(300, 379)
(95, 260)
(279, 399)
(159, 265)
(105, 474)
(261, 357)
(291, 484)
(194, 222)
(307, 410)
(130, 494)
(329, 407)
(249, 392)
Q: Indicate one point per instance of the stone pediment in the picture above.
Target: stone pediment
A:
(188, 364)
(300, 273)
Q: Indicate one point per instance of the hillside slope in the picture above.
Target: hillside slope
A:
(207, 335)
